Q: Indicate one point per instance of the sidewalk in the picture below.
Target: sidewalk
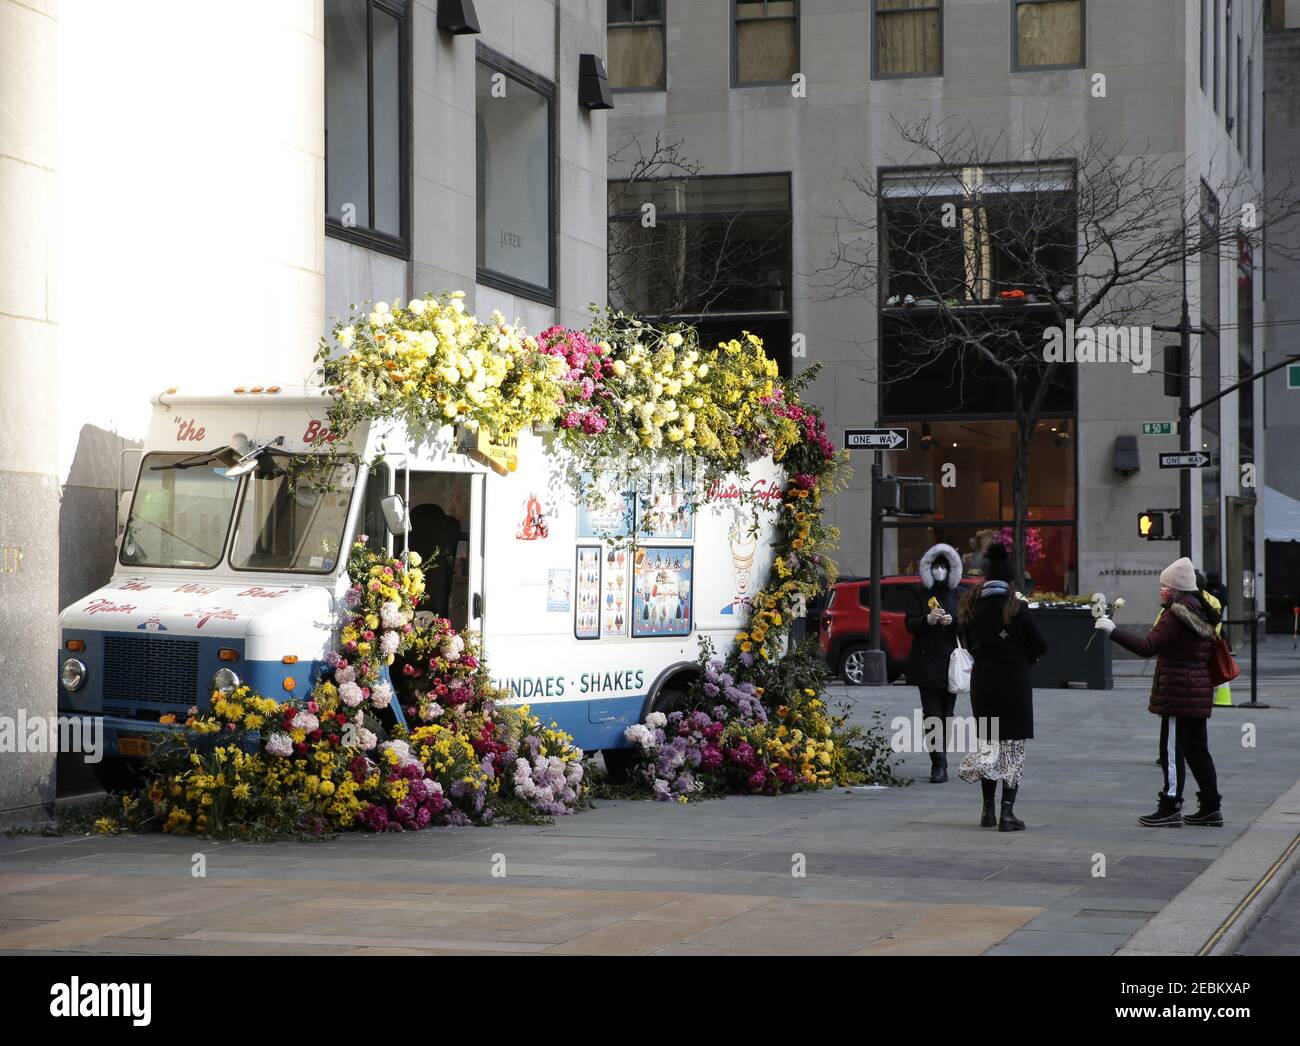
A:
(888, 871)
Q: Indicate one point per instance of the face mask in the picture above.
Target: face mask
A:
(940, 573)
(1166, 594)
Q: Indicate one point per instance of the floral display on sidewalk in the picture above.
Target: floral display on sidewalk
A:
(617, 397)
(253, 767)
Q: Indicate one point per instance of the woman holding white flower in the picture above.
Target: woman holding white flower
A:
(1182, 693)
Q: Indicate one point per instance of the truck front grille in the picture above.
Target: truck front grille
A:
(151, 668)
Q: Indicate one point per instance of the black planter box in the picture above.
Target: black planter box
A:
(1067, 631)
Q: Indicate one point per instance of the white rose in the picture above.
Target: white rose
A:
(417, 306)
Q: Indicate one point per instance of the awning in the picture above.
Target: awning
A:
(1281, 516)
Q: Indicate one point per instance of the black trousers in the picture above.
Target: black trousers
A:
(937, 704)
(1184, 743)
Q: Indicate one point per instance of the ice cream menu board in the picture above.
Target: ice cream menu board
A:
(664, 515)
(586, 587)
(661, 592)
(606, 512)
(613, 593)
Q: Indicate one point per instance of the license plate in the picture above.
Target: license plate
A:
(136, 747)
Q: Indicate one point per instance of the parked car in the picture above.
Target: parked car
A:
(846, 624)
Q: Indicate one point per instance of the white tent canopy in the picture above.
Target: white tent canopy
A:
(1281, 516)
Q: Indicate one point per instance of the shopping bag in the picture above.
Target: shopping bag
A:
(959, 665)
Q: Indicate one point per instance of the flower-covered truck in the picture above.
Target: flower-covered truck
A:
(589, 593)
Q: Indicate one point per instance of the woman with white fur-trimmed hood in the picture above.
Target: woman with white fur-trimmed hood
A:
(933, 624)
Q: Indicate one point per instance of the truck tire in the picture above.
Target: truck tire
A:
(119, 775)
(618, 763)
(670, 699)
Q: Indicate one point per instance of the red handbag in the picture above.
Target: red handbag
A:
(1223, 667)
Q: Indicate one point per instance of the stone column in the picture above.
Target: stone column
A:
(29, 484)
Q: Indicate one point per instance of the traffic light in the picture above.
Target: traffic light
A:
(1173, 370)
(1159, 524)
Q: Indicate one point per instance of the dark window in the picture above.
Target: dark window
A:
(971, 236)
(1241, 109)
(1204, 63)
(515, 125)
(1047, 34)
(765, 41)
(1250, 112)
(908, 38)
(366, 109)
(1218, 30)
(635, 31)
(714, 251)
(1211, 420)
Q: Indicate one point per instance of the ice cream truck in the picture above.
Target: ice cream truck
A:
(232, 563)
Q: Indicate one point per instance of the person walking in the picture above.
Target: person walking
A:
(1182, 694)
(933, 625)
(1005, 644)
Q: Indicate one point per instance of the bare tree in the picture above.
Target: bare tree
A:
(978, 251)
(662, 266)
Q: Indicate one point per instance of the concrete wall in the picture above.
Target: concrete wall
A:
(188, 245)
(1148, 54)
(545, 38)
(29, 363)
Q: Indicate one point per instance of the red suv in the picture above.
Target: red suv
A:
(846, 624)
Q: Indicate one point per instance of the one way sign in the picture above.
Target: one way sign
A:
(1195, 460)
(875, 439)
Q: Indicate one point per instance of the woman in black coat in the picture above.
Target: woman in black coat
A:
(1005, 643)
(933, 624)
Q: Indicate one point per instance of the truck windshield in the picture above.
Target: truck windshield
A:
(179, 517)
(292, 516)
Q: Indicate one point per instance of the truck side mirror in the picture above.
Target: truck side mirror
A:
(395, 515)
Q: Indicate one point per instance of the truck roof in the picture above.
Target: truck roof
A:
(240, 395)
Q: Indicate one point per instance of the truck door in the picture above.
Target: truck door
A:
(446, 513)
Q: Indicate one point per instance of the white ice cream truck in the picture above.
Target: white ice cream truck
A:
(232, 563)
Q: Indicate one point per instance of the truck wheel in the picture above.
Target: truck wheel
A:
(669, 700)
(853, 664)
(118, 775)
(618, 763)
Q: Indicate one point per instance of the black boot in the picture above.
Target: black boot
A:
(1009, 821)
(988, 818)
(938, 768)
(1208, 814)
(1167, 815)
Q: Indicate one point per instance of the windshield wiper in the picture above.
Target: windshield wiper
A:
(192, 462)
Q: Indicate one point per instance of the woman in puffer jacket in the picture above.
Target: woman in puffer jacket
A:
(933, 624)
(1182, 642)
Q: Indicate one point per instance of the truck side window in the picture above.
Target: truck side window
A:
(371, 519)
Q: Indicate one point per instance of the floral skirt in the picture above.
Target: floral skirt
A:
(995, 761)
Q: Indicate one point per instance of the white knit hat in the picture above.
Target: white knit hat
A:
(1180, 575)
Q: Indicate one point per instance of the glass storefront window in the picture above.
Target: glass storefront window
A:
(515, 178)
(982, 456)
(1055, 570)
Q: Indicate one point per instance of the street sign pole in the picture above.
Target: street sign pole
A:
(875, 671)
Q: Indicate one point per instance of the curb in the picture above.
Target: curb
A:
(1214, 914)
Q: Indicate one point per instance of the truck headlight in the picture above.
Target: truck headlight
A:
(225, 680)
(73, 674)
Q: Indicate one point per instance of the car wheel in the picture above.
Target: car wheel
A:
(853, 664)
(669, 700)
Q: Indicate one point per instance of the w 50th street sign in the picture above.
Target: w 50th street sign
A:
(875, 439)
(1194, 460)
